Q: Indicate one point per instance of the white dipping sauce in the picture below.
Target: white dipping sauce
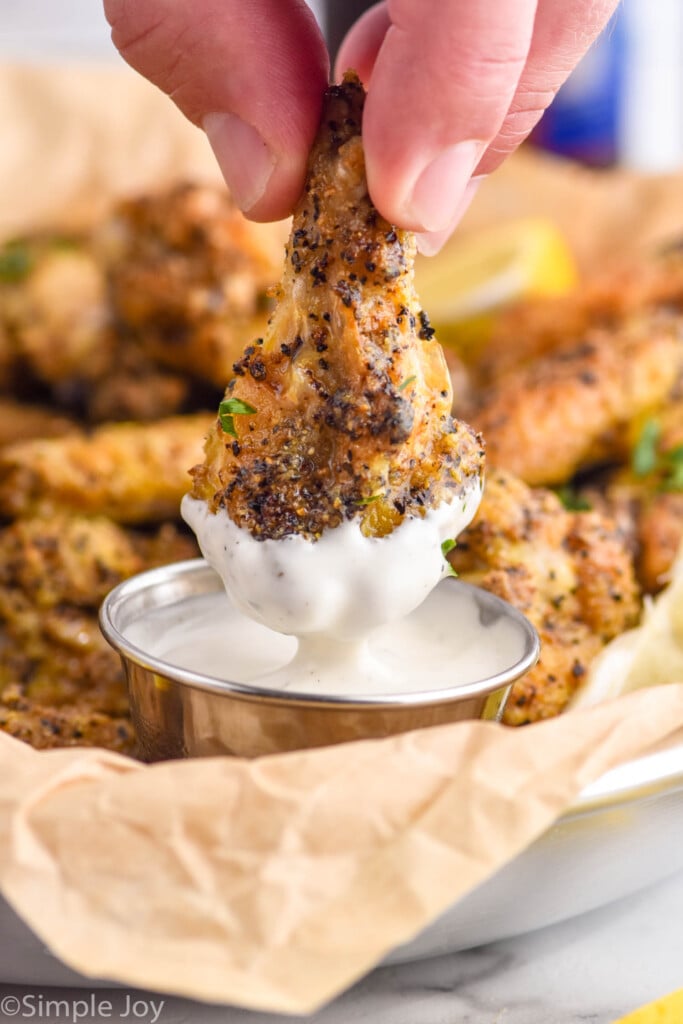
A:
(445, 643)
(349, 600)
(341, 586)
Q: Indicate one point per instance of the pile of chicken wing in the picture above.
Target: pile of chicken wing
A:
(115, 346)
(115, 349)
(579, 400)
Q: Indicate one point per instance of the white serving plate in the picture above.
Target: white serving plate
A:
(622, 834)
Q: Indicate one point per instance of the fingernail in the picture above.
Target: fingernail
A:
(431, 242)
(439, 189)
(245, 160)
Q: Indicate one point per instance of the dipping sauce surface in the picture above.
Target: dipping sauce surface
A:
(446, 642)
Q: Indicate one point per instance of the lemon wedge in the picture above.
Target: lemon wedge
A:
(475, 275)
(668, 1010)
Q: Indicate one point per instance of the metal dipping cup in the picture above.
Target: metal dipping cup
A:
(182, 713)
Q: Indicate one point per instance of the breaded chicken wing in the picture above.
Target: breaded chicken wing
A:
(533, 328)
(571, 408)
(342, 410)
(651, 486)
(188, 276)
(60, 682)
(131, 472)
(135, 389)
(60, 334)
(59, 316)
(74, 725)
(570, 573)
(659, 535)
(22, 421)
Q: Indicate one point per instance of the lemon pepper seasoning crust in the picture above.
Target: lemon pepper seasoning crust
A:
(350, 388)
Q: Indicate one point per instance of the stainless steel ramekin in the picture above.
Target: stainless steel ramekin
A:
(180, 713)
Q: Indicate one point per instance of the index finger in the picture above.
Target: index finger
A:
(441, 85)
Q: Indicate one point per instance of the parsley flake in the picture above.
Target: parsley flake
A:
(406, 382)
(446, 547)
(230, 407)
(16, 262)
(648, 458)
(572, 499)
(645, 455)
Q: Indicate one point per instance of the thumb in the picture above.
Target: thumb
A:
(251, 74)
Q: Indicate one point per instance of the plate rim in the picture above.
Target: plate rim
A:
(661, 773)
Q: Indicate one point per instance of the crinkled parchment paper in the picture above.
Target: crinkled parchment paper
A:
(73, 137)
(273, 884)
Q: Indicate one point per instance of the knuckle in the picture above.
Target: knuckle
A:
(132, 25)
(161, 47)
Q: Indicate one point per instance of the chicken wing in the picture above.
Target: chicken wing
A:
(651, 486)
(571, 408)
(342, 410)
(60, 682)
(531, 329)
(131, 472)
(570, 573)
(55, 310)
(22, 421)
(188, 276)
(73, 725)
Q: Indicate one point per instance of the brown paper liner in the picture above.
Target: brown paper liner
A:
(276, 883)
(74, 137)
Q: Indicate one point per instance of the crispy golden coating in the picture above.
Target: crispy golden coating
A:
(659, 534)
(132, 472)
(21, 421)
(350, 391)
(68, 559)
(174, 281)
(570, 573)
(188, 276)
(61, 318)
(73, 725)
(59, 658)
(134, 389)
(60, 683)
(546, 420)
(650, 487)
(60, 333)
(54, 308)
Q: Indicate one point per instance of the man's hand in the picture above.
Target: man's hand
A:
(453, 87)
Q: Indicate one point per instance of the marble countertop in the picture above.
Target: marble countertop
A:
(591, 969)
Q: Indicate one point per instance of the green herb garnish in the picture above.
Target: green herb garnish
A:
(446, 547)
(406, 382)
(572, 500)
(15, 262)
(233, 407)
(645, 455)
(369, 501)
(649, 459)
